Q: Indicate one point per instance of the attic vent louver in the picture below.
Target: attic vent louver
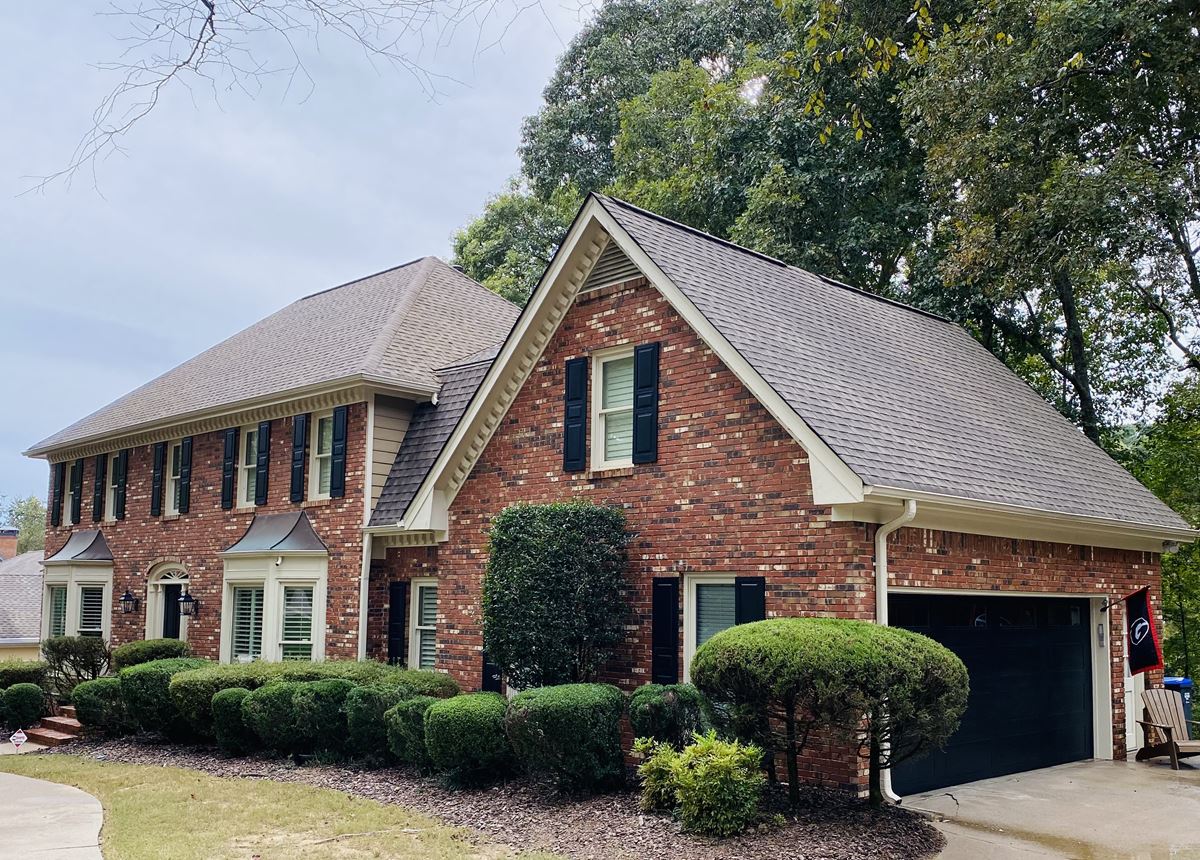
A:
(612, 268)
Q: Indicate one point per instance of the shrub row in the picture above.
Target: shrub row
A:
(145, 651)
(23, 672)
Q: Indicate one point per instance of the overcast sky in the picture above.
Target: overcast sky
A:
(219, 213)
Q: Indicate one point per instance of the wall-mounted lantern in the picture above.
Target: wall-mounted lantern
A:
(189, 607)
(129, 603)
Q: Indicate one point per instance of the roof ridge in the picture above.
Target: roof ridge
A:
(388, 331)
(834, 282)
(356, 281)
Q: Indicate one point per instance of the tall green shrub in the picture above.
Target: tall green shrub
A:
(671, 713)
(24, 705)
(366, 729)
(146, 650)
(552, 603)
(465, 738)
(233, 735)
(146, 690)
(73, 659)
(405, 723)
(571, 733)
(321, 715)
(100, 707)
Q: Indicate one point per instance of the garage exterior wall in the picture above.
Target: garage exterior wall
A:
(730, 493)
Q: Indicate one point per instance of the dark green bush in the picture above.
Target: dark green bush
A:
(73, 659)
(100, 707)
(718, 785)
(192, 691)
(321, 715)
(465, 738)
(366, 730)
(146, 689)
(24, 705)
(270, 712)
(670, 713)
(552, 604)
(405, 722)
(230, 729)
(571, 733)
(23, 672)
(144, 651)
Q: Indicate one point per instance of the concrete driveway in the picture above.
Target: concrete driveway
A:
(1098, 810)
(48, 820)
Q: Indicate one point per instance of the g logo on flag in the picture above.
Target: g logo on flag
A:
(1139, 631)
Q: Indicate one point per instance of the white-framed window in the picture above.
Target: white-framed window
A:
(709, 606)
(295, 639)
(247, 623)
(56, 608)
(274, 607)
(69, 493)
(110, 488)
(612, 409)
(423, 616)
(174, 473)
(77, 600)
(320, 453)
(248, 468)
(91, 610)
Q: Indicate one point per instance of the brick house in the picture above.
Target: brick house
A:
(782, 445)
(242, 480)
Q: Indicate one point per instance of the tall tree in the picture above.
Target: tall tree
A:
(28, 516)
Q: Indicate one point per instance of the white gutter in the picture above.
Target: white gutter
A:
(881, 601)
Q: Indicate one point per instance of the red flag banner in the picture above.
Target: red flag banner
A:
(1141, 639)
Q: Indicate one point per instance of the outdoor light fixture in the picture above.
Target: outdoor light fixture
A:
(189, 607)
(129, 603)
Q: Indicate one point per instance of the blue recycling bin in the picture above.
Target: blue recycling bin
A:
(1184, 687)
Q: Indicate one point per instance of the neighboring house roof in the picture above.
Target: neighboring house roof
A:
(86, 545)
(428, 431)
(393, 328)
(290, 532)
(905, 398)
(21, 598)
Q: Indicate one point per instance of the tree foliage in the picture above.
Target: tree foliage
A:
(28, 516)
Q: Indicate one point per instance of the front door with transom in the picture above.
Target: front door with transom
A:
(170, 609)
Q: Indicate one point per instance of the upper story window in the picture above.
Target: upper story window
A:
(248, 467)
(69, 492)
(174, 476)
(612, 408)
(320, 470)
(110, 486)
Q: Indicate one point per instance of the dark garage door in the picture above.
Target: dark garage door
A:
(1029, 661)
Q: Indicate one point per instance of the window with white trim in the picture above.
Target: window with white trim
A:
(174, 482)
(248, 467)
(295, 641)
(320, 467)
(247, 623)
(69, 492)
(422, 650)
(110, 489)
(612, 410)
(709, 606)
(57, 603)
(91, 610)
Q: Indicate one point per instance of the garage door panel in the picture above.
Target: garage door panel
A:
(1030, 706)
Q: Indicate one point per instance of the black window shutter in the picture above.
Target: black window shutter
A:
(337, 452)
(575, 418)
(397, 622)
(98, 487)
(122, 479)
(492, 676)
(77, 491)
(645, 403)
(58, 479)
(185, 475)
(664, 631)
(750, 599)
(299, 455)
(156, 479)
(229, 468)
(262, 463)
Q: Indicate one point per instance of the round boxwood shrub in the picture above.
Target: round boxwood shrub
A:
(270, 712)
(23, 672)
(366, 730)
(100, 707)
(233, 736)
(422, 682)
(571, 733)
(320, 714)
(405, 724)
(466, 740)
(24, 705)
(146, 650)
(670, 713)
(146, 690)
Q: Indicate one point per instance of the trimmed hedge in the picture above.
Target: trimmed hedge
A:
(321, 714)
(571, 732)
(100, 707)
(270, 712)
(147, 650)
(670, 713)
(23, 672)
(366, 729)
(192, 691)
(146, 690)
(466, 740)
(24, 705)
(233, 736)
(405, 724)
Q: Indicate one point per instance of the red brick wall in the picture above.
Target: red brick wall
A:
(195, 539)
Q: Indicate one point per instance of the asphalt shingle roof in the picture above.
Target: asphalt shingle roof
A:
(397, 327)
(905, 399)
(21, 596)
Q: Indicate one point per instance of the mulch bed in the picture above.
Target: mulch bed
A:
(528, 816)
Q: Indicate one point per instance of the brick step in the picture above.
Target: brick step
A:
(67, 711)
(48, 737)
(67, 725)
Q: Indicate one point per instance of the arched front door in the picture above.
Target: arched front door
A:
(163, 620)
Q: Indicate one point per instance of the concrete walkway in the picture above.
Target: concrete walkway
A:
(45, 820)
(1098, 810)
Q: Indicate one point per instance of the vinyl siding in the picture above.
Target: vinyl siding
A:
(392, 416)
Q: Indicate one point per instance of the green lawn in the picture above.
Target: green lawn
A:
(168, 812)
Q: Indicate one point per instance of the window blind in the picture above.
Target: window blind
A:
(616, 402)
(426, 632)
(296, 642)
(324, 454)
(91, 611)
(247, 623)
(715, 610)
(58, 610)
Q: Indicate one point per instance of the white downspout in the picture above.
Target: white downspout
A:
(881, 600)
(364, 590)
